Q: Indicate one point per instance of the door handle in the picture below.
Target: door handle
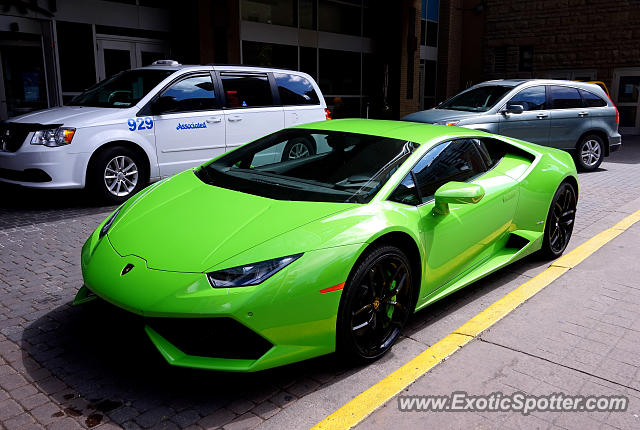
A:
(583, 114)
(542, 116)
(235, 118)
(214, 120)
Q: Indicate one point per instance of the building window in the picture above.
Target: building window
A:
(270, 55)
(281, 12)
(75, 41)
(429, 23)
(526, 58)
(343, 17)
(500, 59)
(341, 80)
(308, 14)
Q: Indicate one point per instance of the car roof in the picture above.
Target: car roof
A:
(411, 131)
(216, 66)
(517, 82)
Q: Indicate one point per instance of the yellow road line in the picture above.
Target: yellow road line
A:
(368, 401)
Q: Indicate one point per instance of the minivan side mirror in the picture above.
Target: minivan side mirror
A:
(457, 193)
(515, 109)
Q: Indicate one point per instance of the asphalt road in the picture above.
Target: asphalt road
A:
(66, 367)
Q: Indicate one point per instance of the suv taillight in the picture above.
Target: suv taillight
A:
(614, 106)
(327, 113)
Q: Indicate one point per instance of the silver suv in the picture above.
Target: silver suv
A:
(578, 117)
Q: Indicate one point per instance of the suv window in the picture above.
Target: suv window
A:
(458, 160)
(246, 90)
(591, 100)
(295, 90)
(190, 94)
(533, 98)
(564, 97)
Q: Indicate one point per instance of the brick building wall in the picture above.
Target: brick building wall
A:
(562, 35)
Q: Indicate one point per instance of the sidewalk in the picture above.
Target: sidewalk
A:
(580, 335)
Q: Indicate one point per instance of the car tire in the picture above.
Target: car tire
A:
(116, 174)
(590, 152)
(298, 148)
(560, 220)
(369, 318)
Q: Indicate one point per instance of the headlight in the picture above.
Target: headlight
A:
(448, 122)
(53, 137)
(107, 225)
(251, 274)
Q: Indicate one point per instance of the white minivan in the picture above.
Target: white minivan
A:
(145, 124)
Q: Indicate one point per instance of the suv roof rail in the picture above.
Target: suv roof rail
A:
(165, 63)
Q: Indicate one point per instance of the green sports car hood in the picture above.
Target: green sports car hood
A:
(185, 225)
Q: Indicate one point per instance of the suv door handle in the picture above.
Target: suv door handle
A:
(583, 114)
(214, 120)
(542, 116)
(235, 118)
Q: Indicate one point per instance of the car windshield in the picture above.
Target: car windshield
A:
(122, 90)
(310, 165)
(479, 99)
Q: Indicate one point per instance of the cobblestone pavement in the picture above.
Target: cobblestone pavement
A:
(65, 367)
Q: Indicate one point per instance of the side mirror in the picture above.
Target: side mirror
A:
(164, 104)
(457, 193)
(515, 109)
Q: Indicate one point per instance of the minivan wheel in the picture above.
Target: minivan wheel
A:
(117, 173)
(590, 152)
(298, 148)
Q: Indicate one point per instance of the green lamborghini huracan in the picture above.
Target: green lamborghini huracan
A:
(256, 259)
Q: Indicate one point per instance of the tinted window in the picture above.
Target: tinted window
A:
(479, 99)
(406, 192)
(342, 167)
(190, 94)
(530, 99)
(565, 98)
(491, 151)
(246, 91)
(122, 90)
(591, 100)
(458, 160)
(295, 90)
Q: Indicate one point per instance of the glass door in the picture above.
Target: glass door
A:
(114, 56)
(23, 87)
(122, 54)
(627, 98)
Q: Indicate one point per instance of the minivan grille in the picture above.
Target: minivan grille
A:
(13, 134)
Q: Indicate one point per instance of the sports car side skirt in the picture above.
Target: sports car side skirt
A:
(526, 242)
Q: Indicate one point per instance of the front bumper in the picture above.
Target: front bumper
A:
(288, 318)
(38, 166)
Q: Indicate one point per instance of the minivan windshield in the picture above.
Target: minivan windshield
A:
(310, 165)
(122, 90)
(479, 99)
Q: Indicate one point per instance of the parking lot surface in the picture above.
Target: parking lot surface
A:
(66, 367)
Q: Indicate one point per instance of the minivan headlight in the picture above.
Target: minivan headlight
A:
(250, 274)
(53, 136)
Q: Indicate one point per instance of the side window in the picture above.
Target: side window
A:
(591, 100)
(406, 192)
(295, 90)
(458, 160)
(533, 98)
(242, 91)
(190, 94)
(564, 97)
(490, 150)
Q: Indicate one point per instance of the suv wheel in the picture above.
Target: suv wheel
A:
(590, 152)
(117, 173)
